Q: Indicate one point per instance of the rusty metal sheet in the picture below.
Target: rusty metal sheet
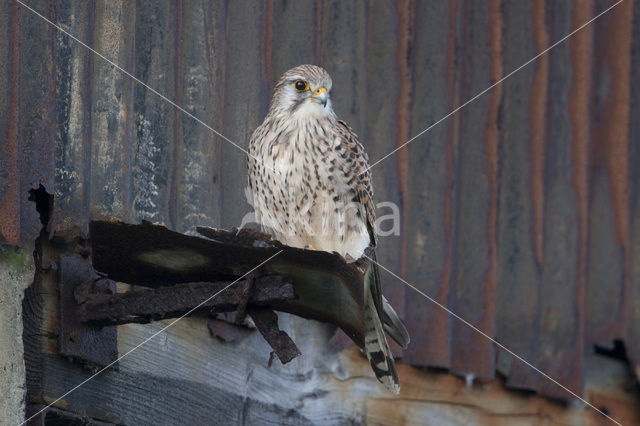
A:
(607, 287)
(517, 305)
(474, 271)
(560, 343)
(429, 243)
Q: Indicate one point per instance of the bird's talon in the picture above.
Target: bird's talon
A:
(309, 247)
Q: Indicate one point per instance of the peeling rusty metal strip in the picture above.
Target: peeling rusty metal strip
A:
(266, 322)
(143, 306)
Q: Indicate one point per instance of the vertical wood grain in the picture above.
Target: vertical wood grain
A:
(608, 258)
(10, 225)
(428, 197)
(36, 98)
(560, 349)
(246, 100)
(473, 294)
(201, 93)
(379, 130)
(73, 72)
(517, 305)
(633, 331)
(293, 35)
(112, 118)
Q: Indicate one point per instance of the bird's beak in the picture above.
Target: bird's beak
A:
(321, 96)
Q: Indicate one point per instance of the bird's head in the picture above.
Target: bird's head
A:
(303, 91)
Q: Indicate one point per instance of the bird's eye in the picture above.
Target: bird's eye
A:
(301, 85)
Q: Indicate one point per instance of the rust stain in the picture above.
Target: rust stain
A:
(613, 134)
(268, 40)
(9, 207)
(403, 103)
(439, 353)
(537, 125)
(491, 144)
(616, 122)
(177, 115)
(581, 48)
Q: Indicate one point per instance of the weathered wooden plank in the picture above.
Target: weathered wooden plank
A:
(430, 196)
(246, 101)
(36, 124)
(154, 150)
(516, 311)
(560, 348)
(437, 399)
(581, 49)
(201, 80)
(10, 224)
(112, 121)
(608, 258)
(475, 271)
(73, 68)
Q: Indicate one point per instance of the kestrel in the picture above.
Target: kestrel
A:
(310, 186)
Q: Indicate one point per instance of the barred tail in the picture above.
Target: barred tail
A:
(376, 347)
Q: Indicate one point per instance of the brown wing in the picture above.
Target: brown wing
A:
(361, 174)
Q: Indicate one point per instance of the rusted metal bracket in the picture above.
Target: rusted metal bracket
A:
(90, 308)
(91, 345)
(326, 287)
(143, 306)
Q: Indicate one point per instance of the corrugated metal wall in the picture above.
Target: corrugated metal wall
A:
(521, 212)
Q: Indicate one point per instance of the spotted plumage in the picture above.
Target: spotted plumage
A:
(309, 185)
